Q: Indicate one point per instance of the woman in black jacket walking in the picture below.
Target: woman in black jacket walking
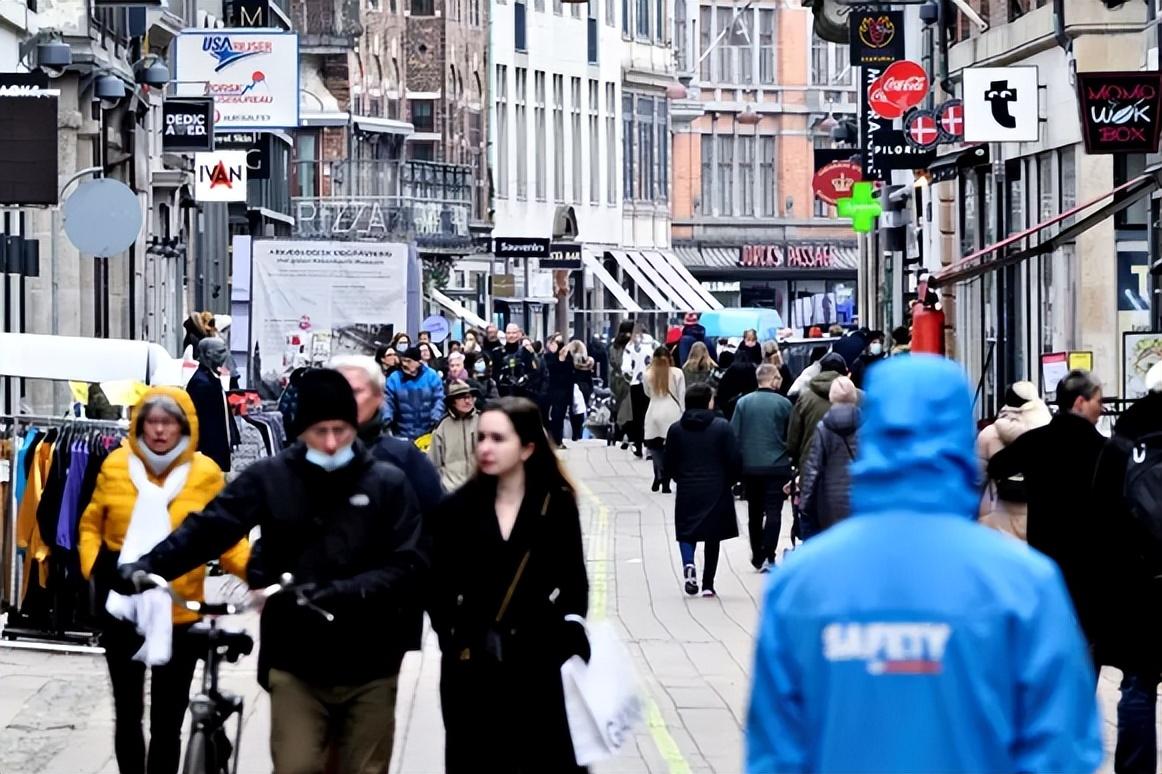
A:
(825, 482)
(508, 567)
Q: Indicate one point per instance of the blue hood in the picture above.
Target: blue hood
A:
(917, 443)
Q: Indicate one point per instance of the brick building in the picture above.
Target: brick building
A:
(764, 93)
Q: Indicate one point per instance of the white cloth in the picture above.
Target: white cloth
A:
(602, 698)
(579, 406)
(152, 612)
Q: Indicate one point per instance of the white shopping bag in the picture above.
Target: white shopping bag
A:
(602, 698)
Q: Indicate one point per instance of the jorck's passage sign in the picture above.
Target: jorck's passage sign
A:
(1120, 111)
(189, 125)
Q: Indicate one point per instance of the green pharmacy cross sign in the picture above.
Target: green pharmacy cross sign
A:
(862, 208)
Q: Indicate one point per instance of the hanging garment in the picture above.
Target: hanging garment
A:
(151, 612)
(27, 531)
(71, 505)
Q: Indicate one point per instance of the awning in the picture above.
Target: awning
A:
(995, 256)
(457, 309)
(382, 125)
(694, 284)
(691, 300)
(661, 283)
(593, 264)
(627, 264)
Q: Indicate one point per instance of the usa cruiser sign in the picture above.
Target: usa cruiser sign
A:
(252, 75)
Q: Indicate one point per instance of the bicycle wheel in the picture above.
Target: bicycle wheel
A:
(197, 761)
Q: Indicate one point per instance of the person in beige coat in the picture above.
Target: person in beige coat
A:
(665, 387)
(1003, 505)
(453, 449)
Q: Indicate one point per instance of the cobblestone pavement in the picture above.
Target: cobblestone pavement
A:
(693, 655)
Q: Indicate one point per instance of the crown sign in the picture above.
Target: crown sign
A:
(843, 183)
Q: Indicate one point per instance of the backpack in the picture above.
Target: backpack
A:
(1142, 485)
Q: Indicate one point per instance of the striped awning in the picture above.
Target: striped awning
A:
(790, 256)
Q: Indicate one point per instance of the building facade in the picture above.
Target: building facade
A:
(763, 94)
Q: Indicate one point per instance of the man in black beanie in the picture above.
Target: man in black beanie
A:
(348, 529)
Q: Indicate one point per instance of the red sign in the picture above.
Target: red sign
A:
(952, 119)
(795, 256)
(834, 181)
(921, 129)
(903, 86)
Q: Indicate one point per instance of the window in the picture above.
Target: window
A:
(725, 52)
(501, 131)
(558, 7)
(627, 186)
(726, 174)
(739, 40)
(520, 24)
(830, 64)
(539, 120)
(746, 174)
(707, 196)
(559, 138)
(474, 9)
(705, 40)
(625, 18)
(611, 142)
(575, 140)
(594, 141)
(661, 122)
(611, 12)
(422, 151)
(591, 30)
(647, 164)
(643, 19)
(423, 114)
(306, 164)
(423, 7)
(539, 6)
(681, 54)
(768, 177)
(660, 21)
(575, 10)
(766, 47)
(522, 133)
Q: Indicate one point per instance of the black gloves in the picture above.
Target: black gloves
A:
(123, 582)
(574, 641)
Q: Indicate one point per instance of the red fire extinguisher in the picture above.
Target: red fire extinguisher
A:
(927, 330)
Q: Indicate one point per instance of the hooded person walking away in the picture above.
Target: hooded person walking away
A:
(760, 422)
(146, 489)
(959, 643)
(209, 398)
(825, 482)
(665, 386)
(811, 405)
(702, 457)
(453, 449)
(1004, 505)
(693, 333)
(348, 529)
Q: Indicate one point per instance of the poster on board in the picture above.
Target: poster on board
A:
(1140, 350)
(313, 300)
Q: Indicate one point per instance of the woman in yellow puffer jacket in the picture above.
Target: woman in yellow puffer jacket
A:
(145, 489)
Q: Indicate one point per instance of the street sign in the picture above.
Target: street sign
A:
(562, 256)
(921, 129)
(521, 247)
(189, 124)
(437, 326)
(258, 147)
(1120, 111)
(220, 176)
(1001, 104)
(102, 217)
(951, 115)
(28, 139)
(862, 208)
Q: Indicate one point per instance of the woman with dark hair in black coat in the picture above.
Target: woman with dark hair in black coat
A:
(509, 592)
(738, 380)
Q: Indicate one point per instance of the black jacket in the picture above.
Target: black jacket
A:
(1059, 462)
(419, 471)
(738, 380)
(205, 391)
(702, 456)
(507, 716)
(356, 532)
(561, 375)
(826, 476)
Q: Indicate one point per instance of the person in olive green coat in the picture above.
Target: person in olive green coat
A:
(812, 404)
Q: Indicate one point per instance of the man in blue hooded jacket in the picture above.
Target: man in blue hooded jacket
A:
(908, 637)
(414, 403)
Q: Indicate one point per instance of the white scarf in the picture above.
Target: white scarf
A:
(151, 612)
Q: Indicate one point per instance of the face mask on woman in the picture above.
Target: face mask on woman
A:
(479, 368)
(876, 349)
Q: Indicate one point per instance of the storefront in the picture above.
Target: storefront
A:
(808, 283)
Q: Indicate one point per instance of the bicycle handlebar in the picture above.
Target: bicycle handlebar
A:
(145, 581)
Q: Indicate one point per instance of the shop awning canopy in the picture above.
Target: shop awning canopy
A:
(695, 285)
(662, 283)
(630, 267)
(458, 310)
(1008, 251)
(691, 300)
(594, 265)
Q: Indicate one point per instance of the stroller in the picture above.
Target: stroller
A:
(600, 416)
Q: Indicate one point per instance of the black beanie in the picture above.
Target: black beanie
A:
(411, 353)
(833, 362)
(324, 395)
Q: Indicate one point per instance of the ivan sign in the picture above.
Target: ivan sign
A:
(220, 176)
(1119, 111)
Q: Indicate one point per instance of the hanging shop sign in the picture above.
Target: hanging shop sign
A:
(220, 176)
(903, 86)
(922, 129)
(877, 37)
(1120, 111)
(1001, 104)
(253, 76)
(811, 256)
(834, 181)
(188, 125)
(951, 116)
(258, 147)
(521, 247)
(28, 151)
(562, 256)
(862, 207)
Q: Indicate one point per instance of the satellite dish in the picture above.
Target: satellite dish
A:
(102, 217)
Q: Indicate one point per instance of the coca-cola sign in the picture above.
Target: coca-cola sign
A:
(1120, 111)
(903, 86)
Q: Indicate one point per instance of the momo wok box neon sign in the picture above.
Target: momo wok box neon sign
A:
(252, 75)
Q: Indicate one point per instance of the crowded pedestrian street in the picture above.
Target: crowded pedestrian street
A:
(693, 654)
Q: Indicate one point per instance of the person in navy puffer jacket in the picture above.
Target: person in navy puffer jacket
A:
(908, 638)
(415, 398)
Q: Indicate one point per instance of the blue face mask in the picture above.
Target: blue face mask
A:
(479, 368)
(331, 462)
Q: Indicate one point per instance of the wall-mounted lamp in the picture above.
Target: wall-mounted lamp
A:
(151, 71)
(109, 87)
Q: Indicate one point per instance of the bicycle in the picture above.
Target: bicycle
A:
(209, 750)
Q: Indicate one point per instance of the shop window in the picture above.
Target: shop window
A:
(1126, 168)
(423, 115)
(423, 7)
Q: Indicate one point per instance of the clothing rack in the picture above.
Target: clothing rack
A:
(15, 427)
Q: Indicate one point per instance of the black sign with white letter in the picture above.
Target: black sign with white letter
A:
(521, 247)
(28, 139)
(188, 125)
(258, 147)
(562, 256)
(248, 13)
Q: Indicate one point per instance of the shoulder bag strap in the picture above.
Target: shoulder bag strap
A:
(520, 570)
